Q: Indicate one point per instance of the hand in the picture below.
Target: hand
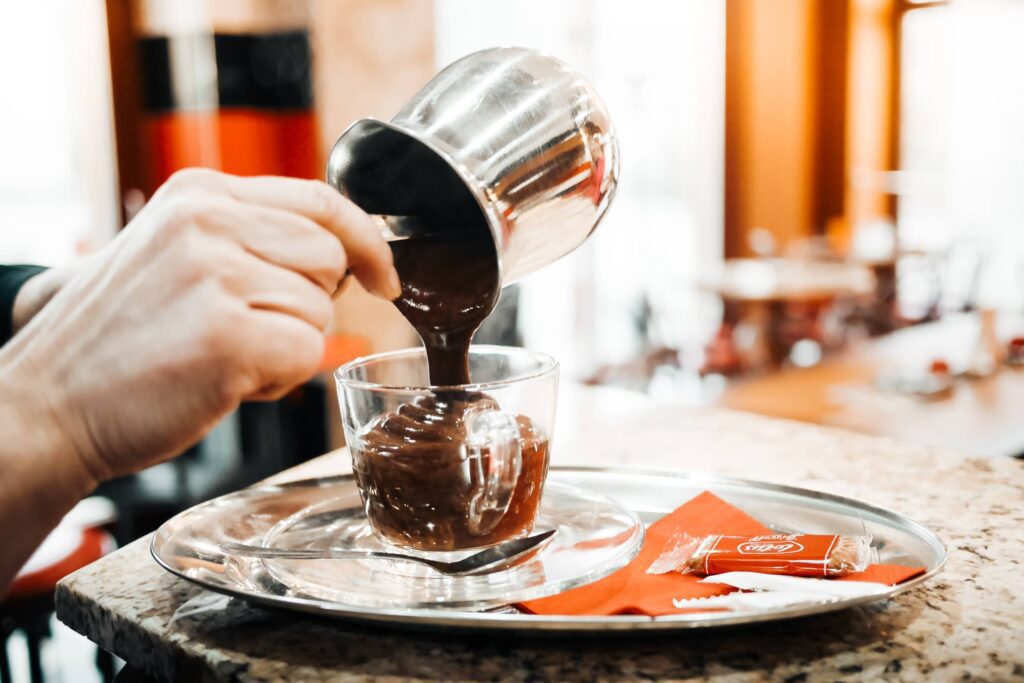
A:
(39, 289)
(218, 291)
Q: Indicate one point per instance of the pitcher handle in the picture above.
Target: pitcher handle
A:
(496, 456)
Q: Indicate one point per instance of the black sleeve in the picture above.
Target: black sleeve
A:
(11, 280)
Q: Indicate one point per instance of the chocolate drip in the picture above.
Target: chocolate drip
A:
(449, 285)
(418, 474)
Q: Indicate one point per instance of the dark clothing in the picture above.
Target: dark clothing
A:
(11, 280)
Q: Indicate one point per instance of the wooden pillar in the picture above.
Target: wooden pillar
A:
(831, 59)
(871, 112)
(785, 118)
(126, 104)
(369, 57)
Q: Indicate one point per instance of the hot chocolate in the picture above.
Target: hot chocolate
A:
(421, 480)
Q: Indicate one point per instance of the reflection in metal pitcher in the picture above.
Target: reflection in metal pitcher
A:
(510, 137)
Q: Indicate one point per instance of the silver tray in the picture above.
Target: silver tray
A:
(596, 537)
(651, 494)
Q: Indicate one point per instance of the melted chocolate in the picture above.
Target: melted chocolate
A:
(419, 479)
(449, 285)
(416, 472)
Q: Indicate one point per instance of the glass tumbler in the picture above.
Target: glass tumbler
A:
(449, 468)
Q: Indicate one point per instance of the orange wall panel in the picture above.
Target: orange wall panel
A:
(770, 119)
(869, 148)
(261, 143)
(239, 141)
(175, 140)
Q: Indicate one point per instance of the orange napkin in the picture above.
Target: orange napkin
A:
(631, 590)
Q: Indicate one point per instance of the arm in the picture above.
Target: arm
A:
(41, 478)
(218, 292)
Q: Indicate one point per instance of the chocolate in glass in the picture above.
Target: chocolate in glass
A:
(419, 478)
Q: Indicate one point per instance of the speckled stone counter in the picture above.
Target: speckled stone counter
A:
(964, 625)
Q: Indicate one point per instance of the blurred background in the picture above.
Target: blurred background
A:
(820, 214)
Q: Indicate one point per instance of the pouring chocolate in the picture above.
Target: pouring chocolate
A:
(504, 162)
(449, 285)
(501, 164)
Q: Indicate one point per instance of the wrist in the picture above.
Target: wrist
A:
(37, 434)
(41, 478)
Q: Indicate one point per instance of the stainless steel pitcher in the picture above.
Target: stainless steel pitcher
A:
(507, 139)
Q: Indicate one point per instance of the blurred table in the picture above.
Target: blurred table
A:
(965, 624)
(982, 417)
(775, 280)
(772, 294)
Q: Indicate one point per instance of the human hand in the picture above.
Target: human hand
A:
(40, 288)
(218, 291)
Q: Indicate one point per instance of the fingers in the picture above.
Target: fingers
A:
(267, 287)
(368, 254)
(288, 352)
(287, 240)
(346, 282)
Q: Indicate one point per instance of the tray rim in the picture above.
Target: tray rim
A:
(420, 619)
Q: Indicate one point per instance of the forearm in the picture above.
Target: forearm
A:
(41, 477)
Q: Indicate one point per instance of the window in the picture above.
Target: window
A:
(56, 184)
(962, 138)
(659, 66)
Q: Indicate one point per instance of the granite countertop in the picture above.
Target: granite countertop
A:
(964, 624)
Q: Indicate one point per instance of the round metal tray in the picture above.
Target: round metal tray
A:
(651, 494)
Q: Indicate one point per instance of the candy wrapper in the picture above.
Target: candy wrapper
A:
(787, 554)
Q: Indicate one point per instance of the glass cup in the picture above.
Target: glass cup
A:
(449, 468)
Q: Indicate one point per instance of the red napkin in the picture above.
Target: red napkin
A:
(631, 590)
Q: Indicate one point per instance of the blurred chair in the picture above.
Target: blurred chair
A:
(721, 356)
(813, 248)
(761, 243)
(637, 372)
(960, 275)
(80, 539)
